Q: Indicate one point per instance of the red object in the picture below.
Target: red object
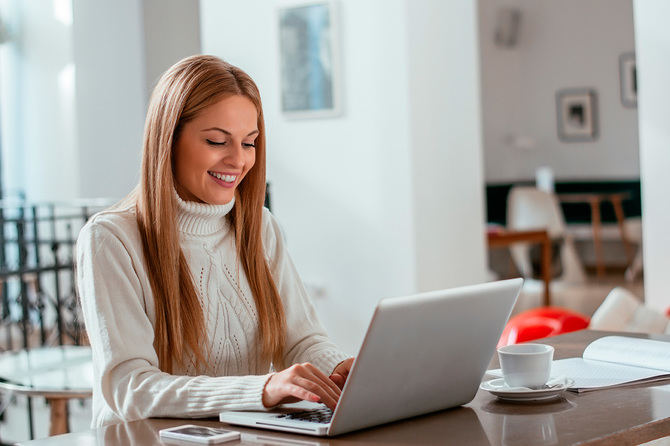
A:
(540, 323)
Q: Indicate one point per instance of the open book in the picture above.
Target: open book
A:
(614, 361)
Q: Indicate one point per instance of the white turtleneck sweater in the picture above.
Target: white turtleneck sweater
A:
(119, 313)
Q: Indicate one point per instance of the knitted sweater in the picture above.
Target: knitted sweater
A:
(119, 313)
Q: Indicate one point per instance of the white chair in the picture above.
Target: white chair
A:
(529, 208)
(623, 311)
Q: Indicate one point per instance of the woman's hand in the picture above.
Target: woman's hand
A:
(300, 382)
(341, 372)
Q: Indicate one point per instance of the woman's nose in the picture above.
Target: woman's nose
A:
(235, 156)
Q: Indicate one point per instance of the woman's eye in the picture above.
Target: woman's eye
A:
(249, 145)
(214, 143)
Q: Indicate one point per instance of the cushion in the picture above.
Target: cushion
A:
(541, 323)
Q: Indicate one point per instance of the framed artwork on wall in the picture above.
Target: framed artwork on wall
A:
(628, 79)
(576, 110)
(309, 59)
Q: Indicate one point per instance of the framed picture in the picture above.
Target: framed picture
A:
(309, 60)
(576, 110)
(628, 79)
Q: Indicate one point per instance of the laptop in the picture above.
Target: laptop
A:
(421, 353)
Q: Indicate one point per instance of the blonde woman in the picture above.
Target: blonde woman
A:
(189, 296)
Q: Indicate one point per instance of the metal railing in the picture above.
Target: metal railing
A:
(39, 304)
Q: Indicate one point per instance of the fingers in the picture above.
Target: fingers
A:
(338, 379)
(347, 369)
(315, 381)
(341, 372)
(323, 395)
(303, 394)
(344, 367)
(323, 379)
(302, 381)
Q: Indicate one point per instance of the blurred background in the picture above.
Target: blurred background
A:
(397, 131)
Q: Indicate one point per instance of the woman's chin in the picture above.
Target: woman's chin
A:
(219, 199)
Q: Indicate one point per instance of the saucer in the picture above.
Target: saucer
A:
(499, 388)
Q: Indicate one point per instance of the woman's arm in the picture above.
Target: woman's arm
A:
(116, 313)
(306, 339)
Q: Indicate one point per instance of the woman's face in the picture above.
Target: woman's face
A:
(215, 150)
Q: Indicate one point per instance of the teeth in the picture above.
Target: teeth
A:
(226, 178)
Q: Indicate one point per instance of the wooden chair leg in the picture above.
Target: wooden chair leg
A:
(597, 243)
(618, 211)
(59, 416)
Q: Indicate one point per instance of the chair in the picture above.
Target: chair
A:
(530, 208)
(540, 323)
(623, 311)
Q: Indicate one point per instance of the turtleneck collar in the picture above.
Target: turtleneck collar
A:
(201, 218)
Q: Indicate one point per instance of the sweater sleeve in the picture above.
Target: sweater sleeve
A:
(306, 339)
(121, 334)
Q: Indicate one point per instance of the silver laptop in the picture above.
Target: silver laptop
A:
(421, 353)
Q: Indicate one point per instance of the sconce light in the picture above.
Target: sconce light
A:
(508, 21)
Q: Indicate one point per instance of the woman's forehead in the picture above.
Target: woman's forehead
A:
(236, 111)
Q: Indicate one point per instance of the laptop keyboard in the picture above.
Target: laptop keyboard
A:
(313, 416)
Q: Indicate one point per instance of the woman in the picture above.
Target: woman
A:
(189, 295)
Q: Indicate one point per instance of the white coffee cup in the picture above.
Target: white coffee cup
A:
(526, 365)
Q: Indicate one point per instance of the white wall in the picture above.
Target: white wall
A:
(39, 131)
(171, 32)
(121, 48)
(653, 65)
(561, 44)
(346, 188)
(75, 80)
(10, 91)
(110, 95)
(446, 143)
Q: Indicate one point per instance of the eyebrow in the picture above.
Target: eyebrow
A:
(227, 132)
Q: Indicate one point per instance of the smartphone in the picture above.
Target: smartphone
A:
(199, 434)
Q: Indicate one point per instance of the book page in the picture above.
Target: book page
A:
(637, 352)
(589, 374)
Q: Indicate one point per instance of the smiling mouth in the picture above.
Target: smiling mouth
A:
(225, 178)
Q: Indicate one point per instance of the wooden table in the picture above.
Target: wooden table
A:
(594, 200)
(627, 415)
(57, 373)
(500, 238)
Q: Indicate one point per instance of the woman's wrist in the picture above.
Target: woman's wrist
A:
(265, 395)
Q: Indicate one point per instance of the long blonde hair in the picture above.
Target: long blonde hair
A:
(188, 87)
